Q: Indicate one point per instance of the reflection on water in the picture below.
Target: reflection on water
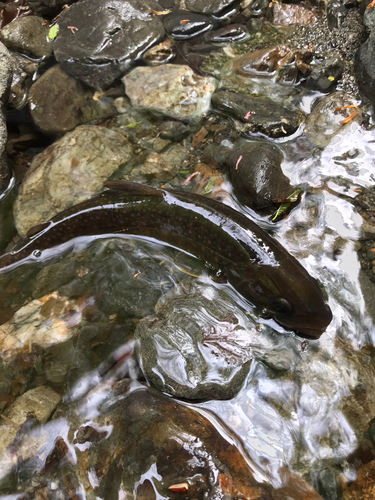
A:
(299, 404)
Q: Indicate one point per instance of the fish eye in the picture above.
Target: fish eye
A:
(282, 306)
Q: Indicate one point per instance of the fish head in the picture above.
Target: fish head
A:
(290, 296)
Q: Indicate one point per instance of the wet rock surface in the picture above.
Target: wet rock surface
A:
(256, 174)
(28, 36)
(329, 115)
(265, 117)
(185, 25)
(200, 358)
(56, 100)
(212, 7)
(23, 71)
(174, 91)
(118, 34)
(55, 173)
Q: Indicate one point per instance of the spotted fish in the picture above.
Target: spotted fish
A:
(257, 266)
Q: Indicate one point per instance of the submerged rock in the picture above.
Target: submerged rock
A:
(56, 100)
(204, 356)
(29, 36)
(230, 33)
(324, 76)
(69, 171)
(43, 322)
(159, 54)
(160, 166)
(38, 403)
(23, 71)
(363, 488)
(258, 114)
(109, 36)
(171, 90)
(328, 117)
(256, 174)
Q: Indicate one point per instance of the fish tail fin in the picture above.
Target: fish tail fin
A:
(133, 188)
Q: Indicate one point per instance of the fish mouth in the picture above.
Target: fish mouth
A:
(313, 326)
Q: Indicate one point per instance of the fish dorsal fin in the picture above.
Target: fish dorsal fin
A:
(133, 188)
(33, 231)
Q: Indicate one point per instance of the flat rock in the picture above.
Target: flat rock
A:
(69, 171)
(183, 25)
(43, 322)
(39, 402)
(170, 90)
(289, 14)
(27, 35)
(109, 36)
(56, 100)
(258, 114)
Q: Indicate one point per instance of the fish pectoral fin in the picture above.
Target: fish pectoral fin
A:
(133, 188)
(37, 229)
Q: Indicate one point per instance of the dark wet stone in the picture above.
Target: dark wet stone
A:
(258, 8)
(110, 36)
(230, 33)
(173, 130)
(183, 25)
(324, 76)
(191, 357)
(55, 101)
(257, 178)
(23, 71)
(209, 7)
(329, 485)
(364, 69)
(288, 64)
(266, 116)
(28, 36)
(159, 54)
(10, 10)
(48, 7)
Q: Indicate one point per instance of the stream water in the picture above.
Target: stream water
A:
(291, 403)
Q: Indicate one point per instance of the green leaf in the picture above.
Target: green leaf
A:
(210, 185)
(133, 125)
(53, 31)
(294, 196)
(281, 210)
(184, 171)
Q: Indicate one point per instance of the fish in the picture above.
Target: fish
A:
(251, 260)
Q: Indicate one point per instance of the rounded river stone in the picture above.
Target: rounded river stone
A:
(196, 347)
(108, 36)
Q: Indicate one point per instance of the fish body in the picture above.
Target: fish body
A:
(252, 261)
